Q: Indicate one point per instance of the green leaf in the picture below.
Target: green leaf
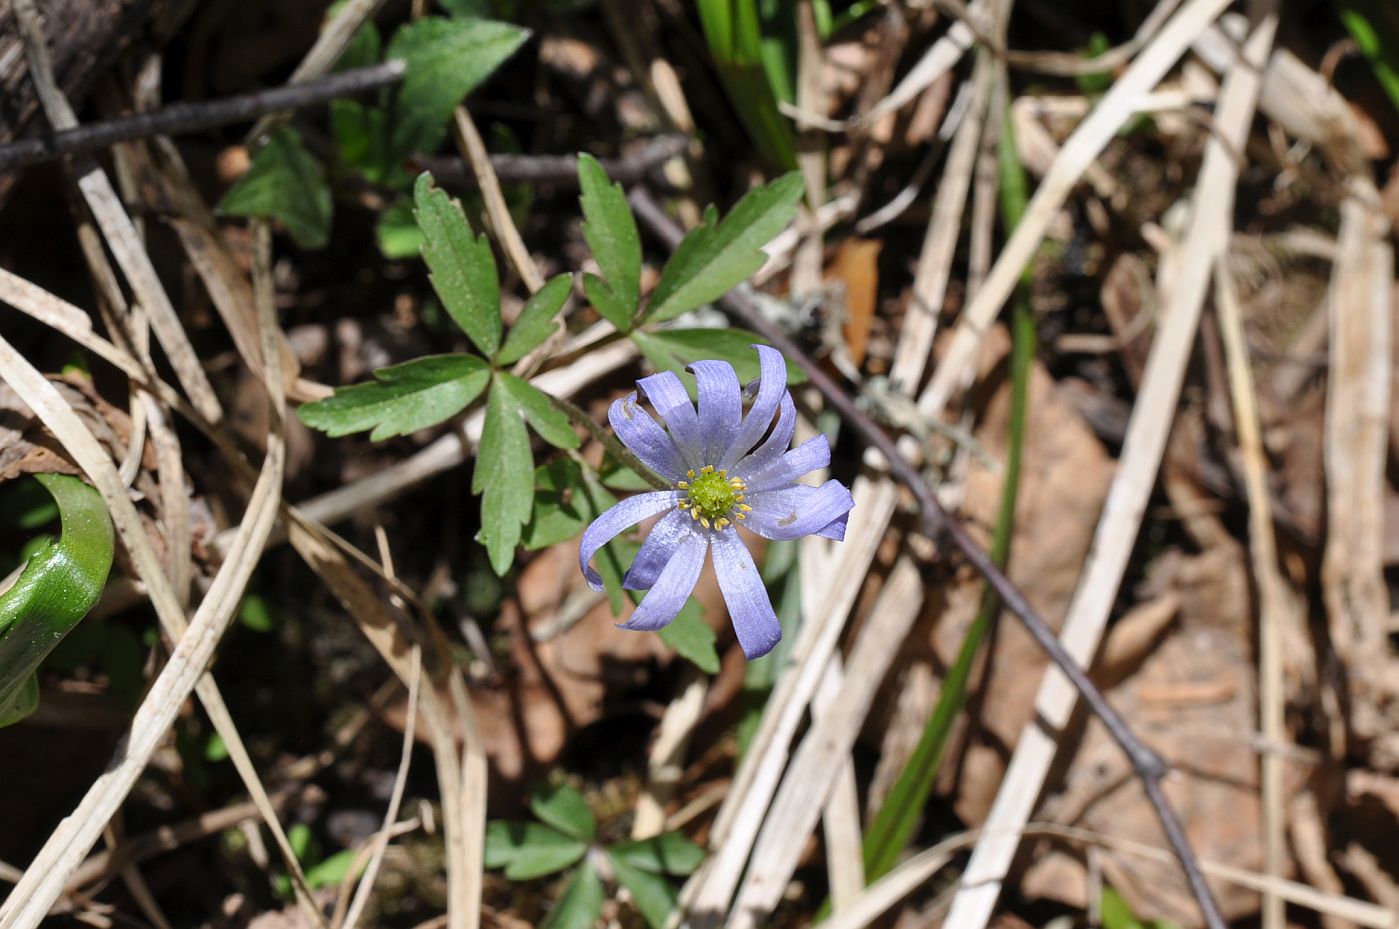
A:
(609, 306)
(564, 808)
(717, 256)
(536, 320)
(652, 894)
(529, 850)
(333, 871)
(692, 638)
(361, 134)
(581, 902)
(551, 424)
(505, 475)
(447, 59)
(401, 399)
(397, 232)
(562, 506)
(673, 349)
(57, 587)
(668, 853)
(619, 476)
(463, 270)
(610, 230)
(286, 183)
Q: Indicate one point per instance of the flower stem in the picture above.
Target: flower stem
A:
(609, 442)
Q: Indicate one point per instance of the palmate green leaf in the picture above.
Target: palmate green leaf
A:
(286, 183)
(446, 59)
(718, 255)
(402, 399)
(564, 808)
(609, 306)
(610, 230)
(57, 587)
(652, 894)
(692, 638)
(673, 349)
(668, 853)
(580, 904)
(562, 507)
(529, 850)
(536, 320)
(463, 269)
(543, 417)
(504, 476)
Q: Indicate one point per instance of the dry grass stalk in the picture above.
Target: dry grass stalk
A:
(473, 149)
(1147, 432)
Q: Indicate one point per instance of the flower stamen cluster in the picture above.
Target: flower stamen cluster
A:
(711, 496)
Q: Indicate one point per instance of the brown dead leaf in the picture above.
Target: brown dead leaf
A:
(856, 265)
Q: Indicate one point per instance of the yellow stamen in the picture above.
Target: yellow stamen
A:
(721, 523)
(704, 522)
(683, 485)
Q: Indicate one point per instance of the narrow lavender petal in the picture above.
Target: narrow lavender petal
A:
(720, 406)
(772, 384)
(645, 437)
(797, 463)
(775, 444)
(795, 511)
(661, 542)
(611, 524)
(671, 400)
(750, 610)
(673, 587)
(835, 529)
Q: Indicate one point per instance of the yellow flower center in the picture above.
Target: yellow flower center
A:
(712, 496)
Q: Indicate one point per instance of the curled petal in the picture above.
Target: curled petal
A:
(775, 444)
(814, 453)
(673, 587)
(720, 406)
(835, 529)
(754, 621)
(795, 511)
(660, 544)
(611, 524)
(668, 396)
(645, 437)
(772, 384)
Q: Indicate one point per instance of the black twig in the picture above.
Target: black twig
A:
(194, 117)
(557, 169)
(936, 524)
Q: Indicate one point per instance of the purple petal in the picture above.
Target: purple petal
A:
(673, 587)
(750, 610)
(670, 399)
(611, 523)
(775, 444)
(661, 542)
(795, 511)
(835, 529)
(772, 384)
(720, 406)
(814, 453)
(645, 437)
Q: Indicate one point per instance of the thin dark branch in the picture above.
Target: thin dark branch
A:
(194, 117)
(557, 169)
(936, 523)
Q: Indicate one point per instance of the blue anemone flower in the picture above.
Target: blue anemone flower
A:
(728, 469)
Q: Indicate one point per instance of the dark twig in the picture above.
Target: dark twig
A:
(557, 169)
(936, 523)
(193, 117)
(608, 441)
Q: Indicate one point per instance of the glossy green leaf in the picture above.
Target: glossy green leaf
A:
(610, 230)
(529, 850)
(463, 269)
(546, 419)
(504, 475)
(580, 904)
(57, 587)
(609, 306)
(401, 399)
(536, 321)
(564, 808)
(668, 853)
(673, 349)
(286, 183)
(718, 255)
(447, 59)
(652, 894)
(692, 638)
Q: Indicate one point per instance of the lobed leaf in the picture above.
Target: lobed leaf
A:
(673, 349)
(504, 476)
(580, 904)
(529, 850)
(544, 418)
(564, 808)
(462, 267)
(609, 306)
(717, 256)
(536, 320)
(692, 638)
(668, 853)
(610, 230)
(401, 399)
(652, 894)
(288, 184)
